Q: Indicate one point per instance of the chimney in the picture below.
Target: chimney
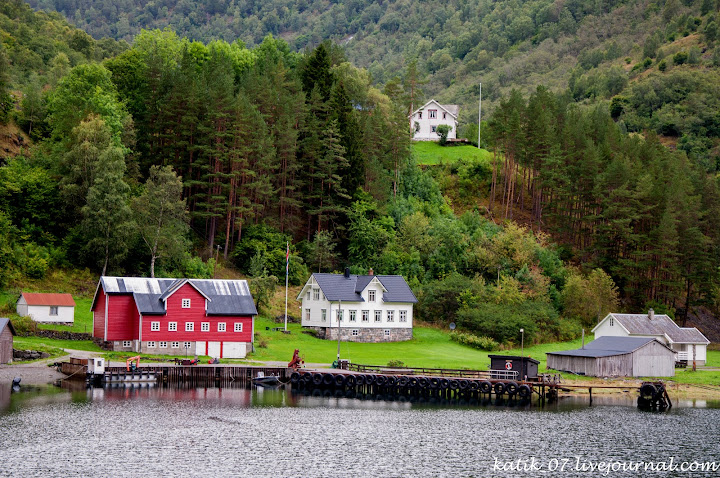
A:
(370, 272)
(583, 338)
(651, 314)
(347, 272)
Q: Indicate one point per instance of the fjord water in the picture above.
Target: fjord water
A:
(211, 432)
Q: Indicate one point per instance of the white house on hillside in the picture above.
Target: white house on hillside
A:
(688, 343)
(425, 120)
(363, 308)
(55, 308)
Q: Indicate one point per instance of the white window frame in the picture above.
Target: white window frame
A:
(127, 343)
(151, 344)
(339, 315)
(189, 326)
(155, 326)
(371, 296)
(316, 294)
(387, 332)
(163, 344)
(323, 315)
(378, 316)
(366, 316)
(238, 327)
(391, 316)
(403, 316)
(205, 327)
(175, 345)
(307, 296)
(187, 345)
(355, 332)
(307, 314)
(186, 303)
(353, 316)
(222, 327)
(53, 310)
(432, 114)
(433, 129)
(172, 326)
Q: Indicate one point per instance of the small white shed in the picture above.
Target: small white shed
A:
(52, 308)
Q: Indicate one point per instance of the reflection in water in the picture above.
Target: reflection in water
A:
(152, 431)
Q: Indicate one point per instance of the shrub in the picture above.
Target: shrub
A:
(396, 363)
(680, 57)
(24, 326)
(260, 341)
(662, 66)
(481, 343)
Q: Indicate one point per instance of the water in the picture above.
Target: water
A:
(48, 431)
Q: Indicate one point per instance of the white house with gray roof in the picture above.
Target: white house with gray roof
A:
(425, 120)
(362, 308)
(688, 343)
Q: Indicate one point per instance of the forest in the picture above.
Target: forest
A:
(160, 155)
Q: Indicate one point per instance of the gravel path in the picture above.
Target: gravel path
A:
(39, 372)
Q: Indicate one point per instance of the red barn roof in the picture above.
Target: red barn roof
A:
(49, 299)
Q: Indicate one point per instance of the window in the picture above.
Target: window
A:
(155, 326)
(612, 321)
(323, 314)
(172, 326)
(205, 327)
(307, 314)
(444, 115)
(387, 332)
(151, 345)
(353, 313)
(163, 345)
(238, 327)
(189, 326)
(221, 326)
(365, 315)
(390, 315)
(316, 294)
(433, 129)
(176, 345)
(186, 303)
(307, 296)
(339, 314)
(53, 310)
(403, 316)
(378, 315)
(355, 332)
(187, 345)
(127, 343)
(419, 114)
(432, 114)
(371, 296)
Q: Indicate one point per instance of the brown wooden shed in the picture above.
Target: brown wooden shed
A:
(6, 340)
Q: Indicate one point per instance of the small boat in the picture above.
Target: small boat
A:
(269, 381)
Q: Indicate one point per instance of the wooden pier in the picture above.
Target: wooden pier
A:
(216, 375)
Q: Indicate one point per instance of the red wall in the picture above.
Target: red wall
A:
(99, 315)
(122, 318)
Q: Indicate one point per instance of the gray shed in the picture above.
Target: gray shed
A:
(616, 357)
(6, 340)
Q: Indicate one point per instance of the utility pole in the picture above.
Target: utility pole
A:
(480, 116)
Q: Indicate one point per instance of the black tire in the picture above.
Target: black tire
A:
(328, 379)
(360, 380)
(350, 381)
(463, 384)
(434, 382)
(412, 382)
(473, 385)
(453, 384)
(422, 382)
(402, 381)
(485, 386)
(317, 379)
(380, 380)
(391, 381)
(499, 388)
(648, 390)
(370, 379)
(511, 388)
(524, 391)
(339, 380)
(294, 378)
(444, 383)
(307, 378)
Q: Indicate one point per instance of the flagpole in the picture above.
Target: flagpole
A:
(287, 273)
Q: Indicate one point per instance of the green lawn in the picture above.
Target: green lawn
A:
(431, 153)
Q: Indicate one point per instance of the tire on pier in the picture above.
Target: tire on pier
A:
(511, 388)
(463, 384)
(328, 379)
(339, 380)
(434, 383)
(648, 390)
(403, 381)
(370, 379)
(453, 384)
(412, 382)
(380, 380)
(307, 378)
(524, 391)
(485, 386)
(499, 388)
(350, 381)
(295, 378)
(317, 378)
(473, 385)
(391, 381)
(422, 383)
(360, 380)
(444, 383)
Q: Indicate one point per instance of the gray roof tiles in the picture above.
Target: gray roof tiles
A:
(608, 346)
(337, 287)
(640, 324)
(225, 297)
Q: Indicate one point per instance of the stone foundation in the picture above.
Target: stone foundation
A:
(366, 335)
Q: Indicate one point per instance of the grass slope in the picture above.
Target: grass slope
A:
(428, 153)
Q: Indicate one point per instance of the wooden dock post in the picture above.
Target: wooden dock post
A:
(590, 388)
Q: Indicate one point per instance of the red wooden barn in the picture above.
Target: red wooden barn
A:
(175, 316)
